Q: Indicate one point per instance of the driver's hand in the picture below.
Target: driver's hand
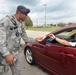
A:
(52, 36)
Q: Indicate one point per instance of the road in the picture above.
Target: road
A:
(35, 34)
(26, 68)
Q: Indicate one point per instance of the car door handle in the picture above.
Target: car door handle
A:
(68, 58)
(70, 55)
(66, 53)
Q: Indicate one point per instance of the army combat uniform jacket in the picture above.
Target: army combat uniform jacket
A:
(11, 31)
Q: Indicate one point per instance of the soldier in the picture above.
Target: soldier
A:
(11, 31)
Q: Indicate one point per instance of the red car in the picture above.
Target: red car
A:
(53, 56)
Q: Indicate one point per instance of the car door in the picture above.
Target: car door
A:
(69, 61)
(49, 56)
(56, 57)
(60, 58)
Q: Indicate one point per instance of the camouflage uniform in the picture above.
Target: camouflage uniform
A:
(10, 36)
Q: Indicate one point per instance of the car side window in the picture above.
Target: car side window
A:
(69, 35)
(73, 38)
(51, 41)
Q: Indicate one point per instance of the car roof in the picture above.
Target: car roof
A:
(68, 27)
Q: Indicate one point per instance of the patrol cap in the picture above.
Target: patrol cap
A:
(23, 9)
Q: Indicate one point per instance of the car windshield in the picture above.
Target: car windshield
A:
(69, 35)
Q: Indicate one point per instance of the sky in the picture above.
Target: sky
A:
(49, 11)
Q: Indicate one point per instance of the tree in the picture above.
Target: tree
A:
(51, 24)
(70, 23)
(61, 24)
(28, 22)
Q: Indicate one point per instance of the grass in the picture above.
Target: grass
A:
(42, 28)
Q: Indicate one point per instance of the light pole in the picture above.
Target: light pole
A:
(45, 14)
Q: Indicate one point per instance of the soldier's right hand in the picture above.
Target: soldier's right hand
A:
(10, 59)
(39, 39)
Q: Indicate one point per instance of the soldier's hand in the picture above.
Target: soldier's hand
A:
(39, 39)
(10, 59)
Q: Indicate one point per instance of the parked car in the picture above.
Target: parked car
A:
(56, 58)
